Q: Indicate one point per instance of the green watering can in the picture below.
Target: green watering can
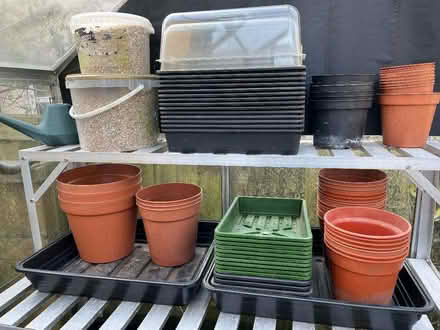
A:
(56, 128)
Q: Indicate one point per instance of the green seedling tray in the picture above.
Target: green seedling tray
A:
(233, 240)
(285, 252)
(277, 275)
(263, 256)
(239, 264)
(260, 259)
(276, 262)
(266, 218)
(263, 246)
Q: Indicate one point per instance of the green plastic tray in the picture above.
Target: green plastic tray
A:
(240, 264)
(278, 275)
(235, 240)
(266, 271)
(263, 246)
(266, 218)
(285, 252)
(262, 258)
(276, 262)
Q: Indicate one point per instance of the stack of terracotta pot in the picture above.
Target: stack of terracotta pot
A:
(366, 249)
(170, 213)
(100, 204)
(408, 104)
(350, 187)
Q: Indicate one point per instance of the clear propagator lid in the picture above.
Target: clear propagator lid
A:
(233, 38)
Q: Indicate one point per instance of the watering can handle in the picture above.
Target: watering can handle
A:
(107, 107)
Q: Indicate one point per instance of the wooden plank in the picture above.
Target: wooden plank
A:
(377, 150)
(121, 316)
(195, 312)
(14, 292)
(423, 324)
(86, 315)
(263, 323)
(52, 314)
(156, 317)
(346, 153)
(420, 153)
(302, 326)
(227, 321)
(24, 309)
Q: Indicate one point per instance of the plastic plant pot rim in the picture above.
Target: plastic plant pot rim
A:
(333, 205)
(133, 186)
(98, 203)
(373, 261)
(354, 249)
(406, 99)
(357, 235)
(347, 196)
(323, 175)
(348, 202)
(408, 66)
(405, 81)
(172, 208)
(143, 200)
(168, 207)
(168, 221)
(105, 187)
(357, 192)
(369, 84)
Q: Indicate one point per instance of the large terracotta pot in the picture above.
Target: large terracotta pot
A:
(171, 229)
(101, 209)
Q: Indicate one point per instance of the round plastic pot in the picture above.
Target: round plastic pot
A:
(407, 89)
(343, 79)
(98, 178)
(356, 191)
(332, 205)
(409, 67)
(341, 104)
(168, 207)
(339, 129)
(366, 282)
(367, 244)
(367, 254)
(346, 195)
(169, 194)
(368, 223)
(171, 235)
(359, 88)
(348, 199)
(409, 75)
(353, 178)
(72, 197)
(407, 126)
(409, 99)
(103, 231)
(406, 82)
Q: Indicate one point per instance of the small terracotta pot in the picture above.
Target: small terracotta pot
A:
(368, 223)
(366, 254)
(367, 244)
(171, 231)
(407, 118)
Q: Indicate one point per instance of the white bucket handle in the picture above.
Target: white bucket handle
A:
(105, 107)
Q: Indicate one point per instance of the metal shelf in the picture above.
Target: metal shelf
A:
(372, 155)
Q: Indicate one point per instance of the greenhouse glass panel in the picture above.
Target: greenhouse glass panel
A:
(35, 34)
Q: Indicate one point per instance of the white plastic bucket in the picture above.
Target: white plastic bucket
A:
(114, 113)
(110, 43)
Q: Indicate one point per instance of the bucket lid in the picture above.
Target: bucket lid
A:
(110, 80)
(93, 19)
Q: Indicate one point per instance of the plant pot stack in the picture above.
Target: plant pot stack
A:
(340, 105)
(256, 246)
(170, 213)
(223, 92)
(408, 104)
(366, 249)
(100, 204)
(350, 187)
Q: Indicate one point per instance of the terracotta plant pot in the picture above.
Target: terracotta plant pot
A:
(340, 195)
(365, 223)
(420, 78)
(101, 209)
(368, 282)
(410, 75)
(407, 118)
(172, 230)
(361, 178)
(407, 89)
(408, 67)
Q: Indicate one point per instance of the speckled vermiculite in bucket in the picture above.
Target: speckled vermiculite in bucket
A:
(128, 126)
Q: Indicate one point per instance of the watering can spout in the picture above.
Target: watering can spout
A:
(27, 129)
(55, 129)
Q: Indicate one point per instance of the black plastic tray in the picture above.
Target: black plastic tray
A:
(235, 108)
(301, 68)
(212, 75)
(58, 269)
(233, 116)
(231, 80)
(247, 89)
(234, 99)
(164, 96)
(229, 113)
(247, 143)
(410, 301)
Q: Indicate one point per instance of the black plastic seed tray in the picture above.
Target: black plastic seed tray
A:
(235, 99)
(232, 116)
(58, 269)
(257, 107)
(300, 79)
(233, 71)
(165, 96)
(246, 89)
(410, 300)
(234, 113)
(235, 141)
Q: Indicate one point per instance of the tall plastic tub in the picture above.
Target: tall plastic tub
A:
(112, 43)
(114, 112)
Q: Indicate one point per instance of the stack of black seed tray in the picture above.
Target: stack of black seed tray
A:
(233, 111)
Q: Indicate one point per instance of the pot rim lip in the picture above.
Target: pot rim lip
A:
(128, 187)
(381, 181)
(404, 66)
(168, 207)
(410, 94)
(364, 248)
(165, 209)
(342, 254)
(90, 186)
(170, 183)
(98, 202)
(385, 237)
